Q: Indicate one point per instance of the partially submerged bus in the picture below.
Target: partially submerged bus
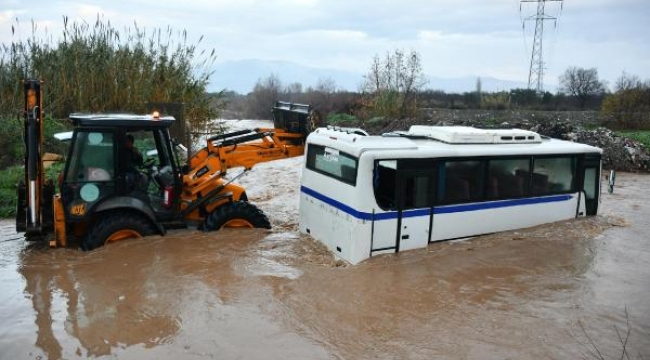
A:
(367, 195)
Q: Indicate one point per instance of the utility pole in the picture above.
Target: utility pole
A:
(536, 72)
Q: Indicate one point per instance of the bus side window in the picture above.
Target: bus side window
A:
(457, 190)
(508, 178)
(463, 181)
(332, 163)
(552, 175)
(384, 184)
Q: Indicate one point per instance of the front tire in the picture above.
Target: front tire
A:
(236, 214)
(115, 226)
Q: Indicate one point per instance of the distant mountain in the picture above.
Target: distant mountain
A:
(241, 75)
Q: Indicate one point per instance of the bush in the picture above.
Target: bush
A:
(12, 140)
(340, 119)
(629, 107)
(9, 178)
(7, 203)
(378, 120)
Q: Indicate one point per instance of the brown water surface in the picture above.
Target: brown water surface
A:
(559, 291)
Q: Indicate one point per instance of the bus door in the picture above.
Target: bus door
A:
(404, 190)
(591, 183)
(415, 200)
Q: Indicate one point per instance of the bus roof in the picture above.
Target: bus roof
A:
(439, 141)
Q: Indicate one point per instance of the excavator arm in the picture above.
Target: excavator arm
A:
(250, 147)
(246, 148)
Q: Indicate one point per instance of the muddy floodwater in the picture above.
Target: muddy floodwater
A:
(578, 289)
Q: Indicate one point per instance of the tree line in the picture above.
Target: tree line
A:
(390, 90)
(394, 87)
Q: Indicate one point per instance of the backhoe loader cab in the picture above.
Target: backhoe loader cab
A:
(121, 172)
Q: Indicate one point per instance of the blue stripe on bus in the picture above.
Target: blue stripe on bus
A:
(446, 209)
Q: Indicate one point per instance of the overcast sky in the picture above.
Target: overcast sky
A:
(454, 38)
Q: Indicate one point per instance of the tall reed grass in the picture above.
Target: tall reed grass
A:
(98, 68)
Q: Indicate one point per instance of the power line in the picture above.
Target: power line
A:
(536, 72)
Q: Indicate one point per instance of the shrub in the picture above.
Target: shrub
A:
(340, 119)
(629, 106)
(628, 109)
(9, 178)
(12, 140)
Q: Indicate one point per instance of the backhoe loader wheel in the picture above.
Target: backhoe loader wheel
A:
(117, 226)
(236, 214)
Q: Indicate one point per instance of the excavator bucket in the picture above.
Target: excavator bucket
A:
(295, 118)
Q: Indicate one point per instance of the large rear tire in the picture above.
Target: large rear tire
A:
(236, 214)
(115, 226)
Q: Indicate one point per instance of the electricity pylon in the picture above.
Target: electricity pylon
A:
(536, 73)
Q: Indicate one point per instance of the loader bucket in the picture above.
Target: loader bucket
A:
(295, 118)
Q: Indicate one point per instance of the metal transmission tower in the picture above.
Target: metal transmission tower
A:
(536, 73)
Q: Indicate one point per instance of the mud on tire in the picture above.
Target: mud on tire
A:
(239, 211)
(111, 223)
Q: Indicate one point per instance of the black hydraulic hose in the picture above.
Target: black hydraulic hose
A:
(225, 136)
(243, 139)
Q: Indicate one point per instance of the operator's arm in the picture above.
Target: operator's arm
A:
(137, 156)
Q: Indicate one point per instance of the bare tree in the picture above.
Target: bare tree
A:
(293, 92)
(326, 85)
(391, 85)
(320, 96)
(374, 77)
(629, 82)
(263, 97)
(581, 84)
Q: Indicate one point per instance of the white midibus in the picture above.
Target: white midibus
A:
(367, 195)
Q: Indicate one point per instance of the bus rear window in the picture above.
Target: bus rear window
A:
(332, 162)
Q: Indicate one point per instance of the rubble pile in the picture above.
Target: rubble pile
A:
(619, 153)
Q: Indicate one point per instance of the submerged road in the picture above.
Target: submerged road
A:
(575, 289)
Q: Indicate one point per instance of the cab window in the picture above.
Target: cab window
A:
(92, 159)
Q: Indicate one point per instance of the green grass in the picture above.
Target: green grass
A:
(642, 136)
(9, 177)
